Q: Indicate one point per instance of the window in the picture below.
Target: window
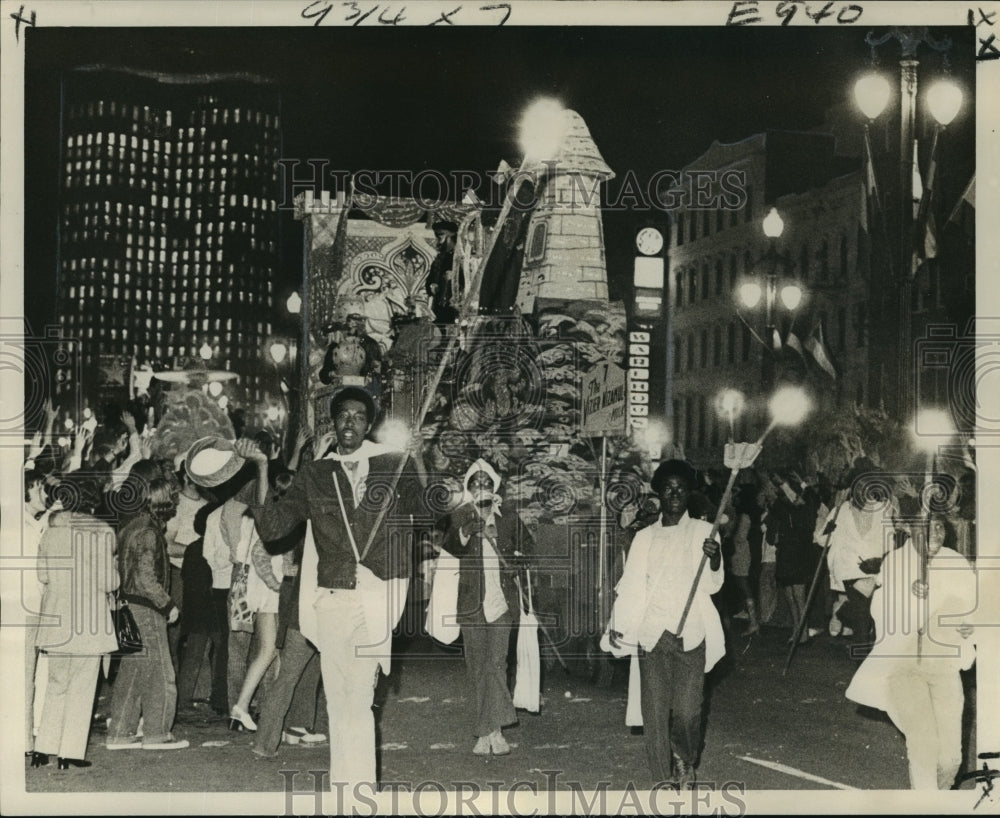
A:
(688, 421)
(706, 223)
(717, 346)
(824, 260)
(748, 207)
(692, 285)
(860, 323)
(679, 289)
(703, 358)
(841, 328)
(804, 262)
(702, 416)
(680, 229)
(720, 220)
(693, 225)
(536, 245)
(690, 352)
(706, 285)
(843, 257)
(718, 277)
(677, 353)
(732, 271)
(731, 344)
(745, 353)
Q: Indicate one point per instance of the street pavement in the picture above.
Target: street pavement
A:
(765, 731)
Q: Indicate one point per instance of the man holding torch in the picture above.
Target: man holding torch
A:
(663, 565)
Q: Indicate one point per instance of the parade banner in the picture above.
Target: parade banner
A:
(604, 401)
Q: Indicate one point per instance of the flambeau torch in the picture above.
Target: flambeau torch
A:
(788, 407)
(542, 130)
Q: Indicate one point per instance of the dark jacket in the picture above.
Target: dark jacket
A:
(143, 563)
(312, 497)
(512, 535)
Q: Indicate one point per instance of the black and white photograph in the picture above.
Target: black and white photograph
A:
(520, 408)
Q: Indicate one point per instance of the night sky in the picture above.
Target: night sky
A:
(450, 98)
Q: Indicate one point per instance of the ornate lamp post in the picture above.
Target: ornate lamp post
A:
(752, 292)
(944, 100)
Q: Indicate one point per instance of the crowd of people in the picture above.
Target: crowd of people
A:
(267, 587)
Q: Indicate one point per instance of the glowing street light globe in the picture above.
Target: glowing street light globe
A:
(215, 389)
(791, 296)
(223, 402)
(773, 224)
(944, 99)
(750, 294)
(542, 128)
(205, 352)
(789, 406)
(278, 351)
(871, 92)
(294, 303)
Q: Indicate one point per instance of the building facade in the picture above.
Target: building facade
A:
(717, 244)
(168, 234)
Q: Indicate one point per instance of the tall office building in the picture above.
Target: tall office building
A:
(168, 218)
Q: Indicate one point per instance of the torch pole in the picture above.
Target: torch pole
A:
(737, 466)
(452, 342)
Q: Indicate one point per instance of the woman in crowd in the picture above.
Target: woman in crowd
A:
(263, 585)
(790, 527)
(490, 547)
(746, 530)
(229, 538)
(145, 685)
(77, 627)
(923, 590)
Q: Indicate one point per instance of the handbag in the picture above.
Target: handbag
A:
(240, 615)
(528, 681)
(440, 622)
(126, 629)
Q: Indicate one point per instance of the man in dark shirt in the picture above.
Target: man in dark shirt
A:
(355, 571)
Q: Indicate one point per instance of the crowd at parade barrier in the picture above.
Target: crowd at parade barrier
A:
(228, 584)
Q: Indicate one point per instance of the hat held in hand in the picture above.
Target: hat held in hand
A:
(212, 460)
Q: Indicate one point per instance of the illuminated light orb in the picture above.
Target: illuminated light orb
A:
(215, 389)
(278, 351)
(871, 92)
(542, 129)
(730, 403)
(750, 294)
(791, 296)
(789, 406)
(223, 402)
(395, 434)
(930, 426)
(944, 99)
(272, 413)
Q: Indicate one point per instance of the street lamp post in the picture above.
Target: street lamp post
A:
(751, 293)
(944, 100)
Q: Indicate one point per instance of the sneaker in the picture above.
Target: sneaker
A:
(741, 615)
(170, 744)
(482, 747)
(124, 744)
(684, 773)
(498, 744)
(293, 735)
(815, 632)
(848, 631)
